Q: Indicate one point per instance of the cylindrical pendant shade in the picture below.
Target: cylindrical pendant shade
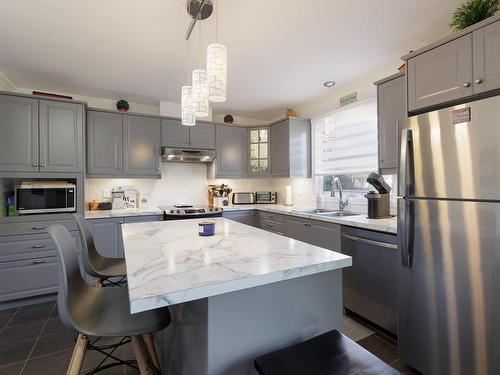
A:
(200, 93)
(216, 72)
(188, 117)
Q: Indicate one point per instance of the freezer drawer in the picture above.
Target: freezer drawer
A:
(370, 285)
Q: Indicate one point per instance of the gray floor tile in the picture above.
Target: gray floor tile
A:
(54, 325)
(53, 344)
(12, 369)
(380, 348)
(38, 306)
(15, 352)
(55, 364)
(11, 335)
(403, 368)
(29, 316)
(8, 312)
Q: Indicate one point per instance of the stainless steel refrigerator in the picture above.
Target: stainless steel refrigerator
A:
(449, 239)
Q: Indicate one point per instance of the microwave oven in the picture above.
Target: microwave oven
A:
(45, 198)
(263, 197)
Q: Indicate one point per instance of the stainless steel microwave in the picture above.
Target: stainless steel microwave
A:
(45, 198)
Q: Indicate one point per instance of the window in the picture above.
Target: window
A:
(259, 150)
(346, 145)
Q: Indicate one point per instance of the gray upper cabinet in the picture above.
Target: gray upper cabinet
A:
(202, 136)
(19, 129)
(174, 134)
(104, 143)
(291, 148)
(486, 42)
(391, 110)
(61, 136)
(141, 145)
(441, 74)
(231, 150)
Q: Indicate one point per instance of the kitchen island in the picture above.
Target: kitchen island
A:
(232, 296)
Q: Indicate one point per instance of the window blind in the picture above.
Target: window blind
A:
(345, 141)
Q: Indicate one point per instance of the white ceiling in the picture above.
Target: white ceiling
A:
(279, 51)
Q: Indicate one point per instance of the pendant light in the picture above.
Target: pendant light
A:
(188, 117)
(216, 67)
(200, 93)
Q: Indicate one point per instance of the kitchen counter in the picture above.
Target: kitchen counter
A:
(122, 213)
(388, 225)
(169, 263)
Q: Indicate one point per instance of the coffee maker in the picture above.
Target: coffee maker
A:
(379, 200)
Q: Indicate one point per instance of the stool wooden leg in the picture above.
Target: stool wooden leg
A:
(141, 354)
(150, 344)
(76, 361)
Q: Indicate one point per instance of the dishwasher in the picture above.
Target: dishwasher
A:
(369, 287)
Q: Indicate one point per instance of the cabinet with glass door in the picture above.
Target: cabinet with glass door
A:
(259, 160)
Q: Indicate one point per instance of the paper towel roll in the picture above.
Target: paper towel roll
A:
(288, 195)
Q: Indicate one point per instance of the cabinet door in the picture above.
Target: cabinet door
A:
(174, 134)
(259, 151)
(487, 58)
(61, 137)
(280, 149)
(298, 229)
(107, 237)
(202, 135)
(440, 75)
(326, 235)
(104, 143)
(231, 151)
(141, 145)
(244, 217)
(391, 109)
(19, 134)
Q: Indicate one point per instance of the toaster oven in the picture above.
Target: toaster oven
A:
(266, 197)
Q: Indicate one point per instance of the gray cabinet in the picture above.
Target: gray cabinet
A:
(271, 222)
(141, 145)
(107, 235)
(231, 151)
(391, 110)
(486, 44)
(202, 136)
(104, 143)
(244, 216)
(298, 229)
(326, 235)
(440, 75)
(291, 148)
(259, 154)
(19, 134)
(174, 134)
(61, 136)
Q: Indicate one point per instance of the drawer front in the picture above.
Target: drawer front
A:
(27, 278)
(142, 219)
(30, 246)
(272, 226)
(272, 216)
(33, 227)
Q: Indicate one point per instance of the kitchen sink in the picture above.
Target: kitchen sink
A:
(339, 214)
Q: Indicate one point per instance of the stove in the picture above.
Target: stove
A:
(186, 211)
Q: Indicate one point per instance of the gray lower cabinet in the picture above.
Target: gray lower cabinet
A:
(370, 285)
(142, 219)
(391, 110)
(19, 130)
(104, 143)
(486, 53)
(291, 148)
(202, 136)
(326, 235)
(231, 149)
(441, 74)
(174, 134)
(61, 136)
(298, 229)
(107, 236)
(247, 217)
(141, 145)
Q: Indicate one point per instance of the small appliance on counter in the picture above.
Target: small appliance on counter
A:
(38, 197)
(378, 201)
(266, 197)
(243, 198)
(187, 211)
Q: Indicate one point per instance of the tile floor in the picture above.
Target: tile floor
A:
(33, 341)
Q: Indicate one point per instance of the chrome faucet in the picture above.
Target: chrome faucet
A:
(342, 203)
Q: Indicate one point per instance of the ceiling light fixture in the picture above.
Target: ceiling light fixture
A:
(329, 84)
(200, 93)
(216, 67)
(187, 112)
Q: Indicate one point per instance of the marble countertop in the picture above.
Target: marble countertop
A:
(388, 225)
(122, 213)
(169, 263)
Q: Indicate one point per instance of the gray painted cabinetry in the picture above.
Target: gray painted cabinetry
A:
(391, 110)
(200, 136)
(231, 150)
(486, 54)
(247, 217)
(322, 234)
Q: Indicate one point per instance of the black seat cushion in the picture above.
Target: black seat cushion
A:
(331, 353)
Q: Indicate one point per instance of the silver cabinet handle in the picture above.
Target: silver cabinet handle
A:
(467, 84)
(370, 242)
(307, 224)
(35, 164)
(478, 81)
(38, 261)
(38, 246)
(38, 228)
(42, 165)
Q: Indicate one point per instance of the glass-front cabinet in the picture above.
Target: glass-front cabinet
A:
(259, 151)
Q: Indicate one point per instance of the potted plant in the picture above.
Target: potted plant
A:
(473, 11)
(122, 105)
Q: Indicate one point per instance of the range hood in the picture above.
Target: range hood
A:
(181, 155)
